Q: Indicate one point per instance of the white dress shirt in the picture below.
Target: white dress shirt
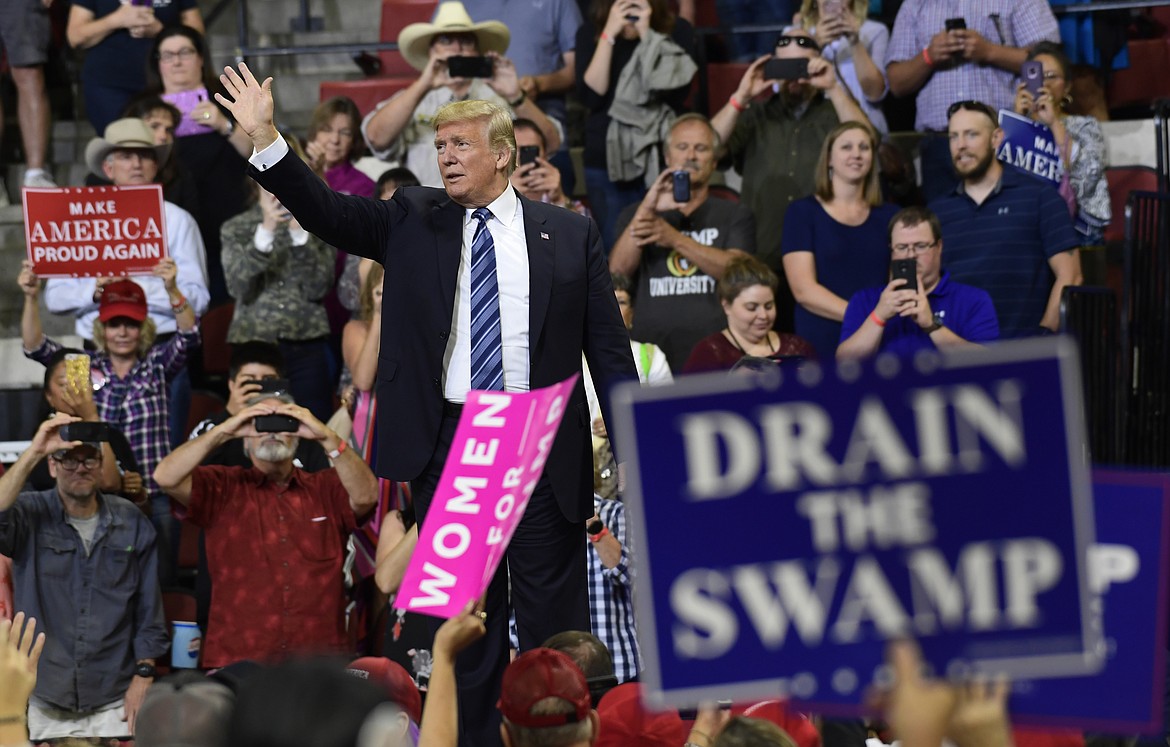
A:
(507, 227)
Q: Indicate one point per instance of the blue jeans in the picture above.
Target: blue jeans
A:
(607, 199)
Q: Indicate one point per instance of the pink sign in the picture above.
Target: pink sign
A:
(501, 445)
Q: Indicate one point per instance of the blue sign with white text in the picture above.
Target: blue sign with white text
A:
(785, 531)
(1030, 146)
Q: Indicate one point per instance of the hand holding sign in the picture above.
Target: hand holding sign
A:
(29, 283)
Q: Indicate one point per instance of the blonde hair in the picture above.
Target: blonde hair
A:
(810, 11)
(500, 134)
(366, 298)
(824, 183)
(145, 338)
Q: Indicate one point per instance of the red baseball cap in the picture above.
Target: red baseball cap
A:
(122, 298)
(624, 721)
(395, 680)
(538, 674)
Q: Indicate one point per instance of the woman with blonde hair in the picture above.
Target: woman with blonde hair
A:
(857, 48)
(834, 241)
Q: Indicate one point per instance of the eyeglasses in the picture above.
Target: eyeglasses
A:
(974, 106)
(921, 247)
(804, 42)
(1053, 75)
(72, 463)
(465, 40)
(183, 54)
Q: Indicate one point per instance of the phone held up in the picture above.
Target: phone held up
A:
(1032, 73)
(275, 423)
(906, 269)
(955, 24)
(528, 153)
(681, 183)
(786, 69)
(469, 67)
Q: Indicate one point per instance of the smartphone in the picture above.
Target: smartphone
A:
(681, 182)
(276, 424)
(955, 24)
(185, 102)
(469, 67)
(273, 386)
(77, 371)
(528, 153)
(906, 269)
(143, 3)
(788, 69)
(89, 432)
(1032, 73)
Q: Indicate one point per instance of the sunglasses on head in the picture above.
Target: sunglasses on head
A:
(973, 106)
(804, 42)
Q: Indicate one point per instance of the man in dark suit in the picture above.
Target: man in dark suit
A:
(549, 299)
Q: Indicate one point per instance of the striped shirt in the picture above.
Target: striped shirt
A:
(1003, 246)
(1012, 23)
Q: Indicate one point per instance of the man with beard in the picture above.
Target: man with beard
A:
(1004, 230)
(275, 534)
(775, 144)
(678, 250)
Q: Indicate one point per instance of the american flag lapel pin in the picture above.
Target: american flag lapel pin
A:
(544, 235)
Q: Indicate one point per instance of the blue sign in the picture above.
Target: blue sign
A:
(786, 529)
(1030, 146)
(1128, 567)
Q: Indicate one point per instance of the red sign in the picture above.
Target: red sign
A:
(94, 231)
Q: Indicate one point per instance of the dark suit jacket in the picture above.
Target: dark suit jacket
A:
(418, 236)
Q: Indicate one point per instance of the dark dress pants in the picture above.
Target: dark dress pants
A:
(546, 560)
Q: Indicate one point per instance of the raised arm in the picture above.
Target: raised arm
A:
(173, 473)
(355, 475)
(31, 332)
(440, 724)
(45, 442)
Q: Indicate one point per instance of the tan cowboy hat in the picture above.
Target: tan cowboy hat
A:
(414, 42)
(130, 132)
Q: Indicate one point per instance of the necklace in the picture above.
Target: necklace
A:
(735, 341)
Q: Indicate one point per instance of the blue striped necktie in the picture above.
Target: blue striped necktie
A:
(487, 342)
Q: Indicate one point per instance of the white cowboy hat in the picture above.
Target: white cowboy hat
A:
(128, 133)
(414, 42)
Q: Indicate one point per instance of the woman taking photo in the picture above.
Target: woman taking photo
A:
(207, 142)
(857, 48)
(834, 241)
(650, 91)
(1079, 140)
(747, 293)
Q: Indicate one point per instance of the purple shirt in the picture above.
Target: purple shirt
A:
(347, 179)
(1021, 23)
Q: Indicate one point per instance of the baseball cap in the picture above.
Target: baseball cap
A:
(624, 721)
(538, 674)
(122, 298)
(394, 679)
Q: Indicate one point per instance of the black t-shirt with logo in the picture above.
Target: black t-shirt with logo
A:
(675, 304)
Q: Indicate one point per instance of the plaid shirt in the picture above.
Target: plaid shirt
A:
(136, 404)
(1021, 23)
(611, 598)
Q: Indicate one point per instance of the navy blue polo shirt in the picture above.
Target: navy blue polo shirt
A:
(1003, 246)
(966, 311)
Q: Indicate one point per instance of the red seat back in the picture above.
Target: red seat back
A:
(397, 15)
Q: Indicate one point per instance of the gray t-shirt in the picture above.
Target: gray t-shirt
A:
(87, 528)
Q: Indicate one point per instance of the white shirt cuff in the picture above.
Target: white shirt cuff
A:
(267, 158)
(264, 239)
(298, 235)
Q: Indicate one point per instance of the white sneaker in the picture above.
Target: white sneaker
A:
(39, 178)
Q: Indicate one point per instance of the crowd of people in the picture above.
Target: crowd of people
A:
(367, 306)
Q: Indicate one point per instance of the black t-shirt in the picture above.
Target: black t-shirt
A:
(675, 304)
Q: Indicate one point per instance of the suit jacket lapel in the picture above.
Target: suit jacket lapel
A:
(448, 221)
(541, 254)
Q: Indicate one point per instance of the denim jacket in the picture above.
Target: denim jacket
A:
(100, 613)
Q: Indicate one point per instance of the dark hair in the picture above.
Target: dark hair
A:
(400, 176)
(521, 123)
(1056, 52)
(154, 84)
(743, 273)
(661, 17)
(264, 353)
(324, 113)
(145, 104)
(302, 704)
(51, 364)
(974, 106)
(622, 283)
(912, 216)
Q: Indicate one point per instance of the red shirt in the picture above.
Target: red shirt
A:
(275, 554)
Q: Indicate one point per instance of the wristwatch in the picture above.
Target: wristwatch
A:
(145, 670)
(935, 326)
